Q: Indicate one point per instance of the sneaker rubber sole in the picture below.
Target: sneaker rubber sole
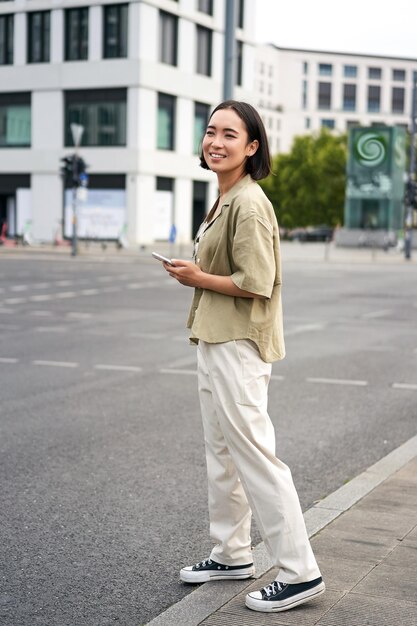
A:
(270, 606)
(187, 575)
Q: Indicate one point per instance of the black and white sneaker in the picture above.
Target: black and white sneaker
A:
(207, 570)
(281, 597)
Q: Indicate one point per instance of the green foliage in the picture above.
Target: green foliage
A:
(308, 184)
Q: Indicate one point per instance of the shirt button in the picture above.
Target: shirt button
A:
(198, 260)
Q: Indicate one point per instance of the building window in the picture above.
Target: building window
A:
(397, 102)
(76, 34)
(115, 31)
(102, 112)
(350, 71)
(239, 63)
(39, 35)
(374, 98)
(349, 97)
(327, 123)
(240, 13)
(168, 38)
(15, 120)
(205, 6)
(305, 95)
(166, 122)
(398, 75)
(305, 68)
(325, 96)
(307, 123)
(6, 39)
(325, 69)
(374, 73)
(352, 124)
(204, 46)
(201, 115)
(403, 126)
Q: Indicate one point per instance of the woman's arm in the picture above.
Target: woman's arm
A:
(190, 275)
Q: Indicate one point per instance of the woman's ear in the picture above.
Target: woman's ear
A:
(252, 147)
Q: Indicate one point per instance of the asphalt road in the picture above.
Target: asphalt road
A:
(102, 469)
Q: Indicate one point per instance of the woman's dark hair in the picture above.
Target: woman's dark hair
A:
(259, 164)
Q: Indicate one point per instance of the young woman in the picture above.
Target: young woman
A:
(236, 320)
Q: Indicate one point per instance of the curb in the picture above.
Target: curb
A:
(209, 597)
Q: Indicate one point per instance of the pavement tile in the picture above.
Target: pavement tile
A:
(342, 574)
(342, 544)
(361, 610)
(359, 522)
(393, 579)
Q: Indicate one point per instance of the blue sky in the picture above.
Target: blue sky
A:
(380, 27)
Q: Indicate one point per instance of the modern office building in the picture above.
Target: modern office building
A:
(141, 77)
(300, 91)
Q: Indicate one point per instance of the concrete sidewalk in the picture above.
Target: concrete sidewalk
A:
(366, 550)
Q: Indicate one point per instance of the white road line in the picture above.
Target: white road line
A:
(40, 285)
(40, 298)
(51, 329)
(338, 381)
(89, 292)
(148, 335)
(64, 283)
(8, 360)
(151, 283)
(304, 329)
(277, 377)
(56, 363)
(105, 279)
(19, 288)
(185, 372)
(41, 313)
(111, 289)
(374, 314)
(404, 386)
(118, 368)
(79, 316)
(65, 294)
(14, 300)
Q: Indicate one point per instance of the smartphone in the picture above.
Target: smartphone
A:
(162, 258)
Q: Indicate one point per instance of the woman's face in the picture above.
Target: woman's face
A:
(226, 143)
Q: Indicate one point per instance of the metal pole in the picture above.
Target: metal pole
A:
(408, 230)
(229, 50)
(74, 248)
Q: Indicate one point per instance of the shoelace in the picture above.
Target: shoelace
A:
(203, 563)
(273, 588)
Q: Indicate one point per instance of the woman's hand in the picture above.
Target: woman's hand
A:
(186, 272)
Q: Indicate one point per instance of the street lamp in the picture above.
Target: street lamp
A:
(411, 185)
(77, 133)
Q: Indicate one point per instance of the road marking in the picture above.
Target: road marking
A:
(148, 335)
(88, 292)
(404, 386)
(14, 300)
(56, 363)
(277, 377)
(5, 359)
(40, 285)
(118, 368)
(181, 372)
(64, 283)
(41, 298)
(105, 279)
(338, 381)
(304, 329)
(79, 316)
(19, 288)
(65, 294)
(41, 313)
(150, 283)
(111, 289)
(51, 329)
(374, 314)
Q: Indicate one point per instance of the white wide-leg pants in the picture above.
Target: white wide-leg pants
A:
(244, 475)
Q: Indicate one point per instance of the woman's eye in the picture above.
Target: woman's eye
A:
(209, 132)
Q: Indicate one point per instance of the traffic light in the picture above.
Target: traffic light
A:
(67, 170)
(74, 171)
(411, 194)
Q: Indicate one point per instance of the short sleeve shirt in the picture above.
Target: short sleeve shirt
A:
(242, 241)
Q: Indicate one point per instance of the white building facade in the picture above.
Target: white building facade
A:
(300, 91)
(141, 77)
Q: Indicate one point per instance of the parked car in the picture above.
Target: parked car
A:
(311, 233)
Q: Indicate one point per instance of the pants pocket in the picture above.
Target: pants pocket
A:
(254, 374)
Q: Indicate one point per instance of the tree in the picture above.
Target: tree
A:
(308, 184)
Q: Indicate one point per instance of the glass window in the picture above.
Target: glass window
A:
(168, 38)
(204, 46)
(39, 35)
(240, 13)
(102, 112)
(397, 101)
(164, 184)
(398, 75)
(374, 98)
(305, 67)
(76, 34)
(305, 95)
(349, 97)
(352, 124)
(205, 6)
(201, 115)
(239, 63)
(307, 123)
(325, 96)
(115, 31)
(374, 73)
(6, 39)
(166, 122)
(350, 71)
(15, 120)
(325, 69)
(327, 123)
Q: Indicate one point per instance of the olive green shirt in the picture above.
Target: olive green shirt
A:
(241, 241)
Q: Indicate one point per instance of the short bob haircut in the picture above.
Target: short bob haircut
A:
(258, 165)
